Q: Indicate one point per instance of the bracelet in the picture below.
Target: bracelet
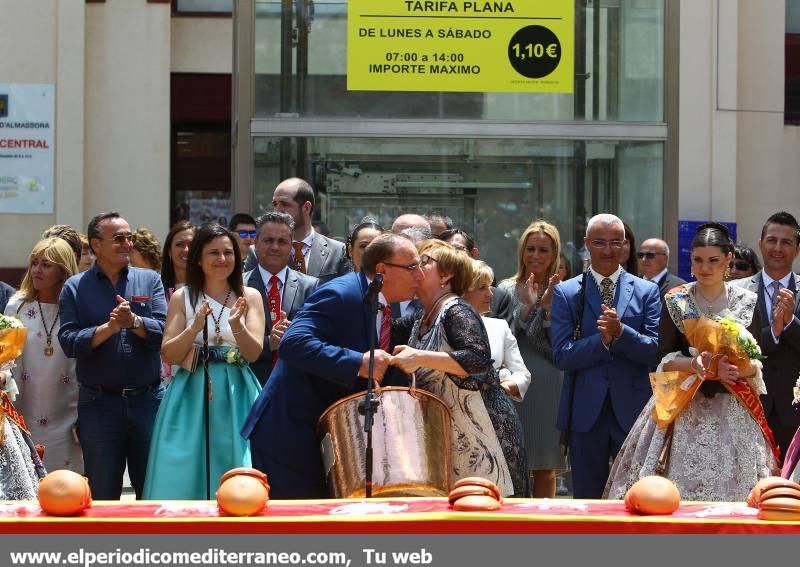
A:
(239, 332)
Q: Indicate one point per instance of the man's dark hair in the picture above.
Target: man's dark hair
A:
(450, 233)
(240, 218)
(304, 193)
(69, 235)
(381, 249)
(786, 219)
(93, 230)
(275, 217)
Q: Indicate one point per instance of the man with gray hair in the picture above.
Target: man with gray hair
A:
(283, 290)
(653, 261)
(604, 328)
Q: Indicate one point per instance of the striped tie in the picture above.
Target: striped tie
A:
(606, 293)
(386, 328)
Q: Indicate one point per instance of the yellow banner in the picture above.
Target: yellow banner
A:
(460, 46)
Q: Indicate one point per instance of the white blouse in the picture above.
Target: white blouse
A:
(506, 357)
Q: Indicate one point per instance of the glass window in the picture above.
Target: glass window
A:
(792, 85)
(492, 188)
(303, 71)
(202, 6)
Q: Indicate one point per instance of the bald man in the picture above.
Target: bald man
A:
(653, 260)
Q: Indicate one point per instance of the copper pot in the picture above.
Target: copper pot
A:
(411, 439)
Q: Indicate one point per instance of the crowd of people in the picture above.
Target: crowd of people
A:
(222, 348)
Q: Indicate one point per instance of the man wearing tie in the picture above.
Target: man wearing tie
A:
(653, 259)
(324, 356)
(604, 328)
(283, 290)
(776, 286)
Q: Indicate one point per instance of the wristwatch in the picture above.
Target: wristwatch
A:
(137, 322)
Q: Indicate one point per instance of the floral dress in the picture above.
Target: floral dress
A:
(718, 450)
(48, 388)
(487, 436)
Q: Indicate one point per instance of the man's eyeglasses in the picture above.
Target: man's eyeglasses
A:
(410, 267)
(122, 238)
(649, 255)
(246, 233)
(741, 265)
(600, 244)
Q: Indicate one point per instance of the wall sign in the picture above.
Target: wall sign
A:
(27, 134)
(461, 46)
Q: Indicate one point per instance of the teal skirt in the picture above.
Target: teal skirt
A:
(176, 467)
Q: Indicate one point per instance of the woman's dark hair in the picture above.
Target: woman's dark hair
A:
(567, 264)
(632, 265)
(451, 232)
(195, 278)
(167, 269)
(713, 234)
(742, 252)
(366, 222)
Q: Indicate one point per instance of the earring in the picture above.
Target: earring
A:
(442, 284)
(727, 272)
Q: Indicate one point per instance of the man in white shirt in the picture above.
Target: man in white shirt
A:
(776, 285)
(283, 290)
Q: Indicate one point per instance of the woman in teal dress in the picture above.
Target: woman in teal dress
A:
(214, 293)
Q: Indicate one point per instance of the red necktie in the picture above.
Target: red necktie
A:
(299, 259)
(386, 328)
(274, 303)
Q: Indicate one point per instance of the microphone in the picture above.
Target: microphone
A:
(374, 288)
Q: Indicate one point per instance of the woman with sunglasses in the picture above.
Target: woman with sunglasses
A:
(744, 264)
(450, 353)
(234, 315)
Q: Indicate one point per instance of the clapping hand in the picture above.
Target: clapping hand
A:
(609, 325)
(199, 320)
(237, 315)
(782, 311)
(278, 329)
(530, 295)
(121, 317)
(547, 298)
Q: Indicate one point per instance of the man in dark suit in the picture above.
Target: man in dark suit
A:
(283, 290)
(314, 254)
(606, 382)
(776, 286)
(653, 260)
(325, 357)
(6, 291)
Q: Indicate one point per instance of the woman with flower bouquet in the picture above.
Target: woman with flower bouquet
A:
(20, 465)
(214, 295)
(704, 427)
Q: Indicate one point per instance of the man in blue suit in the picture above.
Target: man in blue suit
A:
(324, 356)
(605, 338)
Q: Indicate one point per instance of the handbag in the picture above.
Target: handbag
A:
(189, 362)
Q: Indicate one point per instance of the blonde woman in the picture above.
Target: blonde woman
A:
(531, 290)
(506, 358)
(45, 377)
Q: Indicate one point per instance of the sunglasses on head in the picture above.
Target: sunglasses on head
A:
(740, 265)
(649, 255)
(246, 233)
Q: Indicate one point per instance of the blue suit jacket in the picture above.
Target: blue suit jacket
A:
(320, 356)
(592, 370)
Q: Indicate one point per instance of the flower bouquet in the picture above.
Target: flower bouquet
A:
(12, 340)
(721, 337)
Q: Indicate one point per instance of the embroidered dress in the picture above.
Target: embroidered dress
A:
(48, 389)
(718, 450)
(176, 467)
(487, 439)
